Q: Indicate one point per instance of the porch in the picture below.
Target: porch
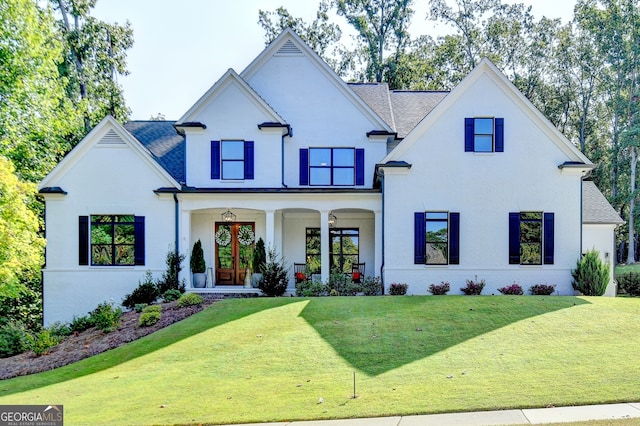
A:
(319, 231)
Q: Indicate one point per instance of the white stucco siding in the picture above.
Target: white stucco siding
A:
(601, 237)
(484, 189)
(319, 111)
(233, 115)
(125, 186)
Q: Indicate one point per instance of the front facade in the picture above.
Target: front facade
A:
(415, 187)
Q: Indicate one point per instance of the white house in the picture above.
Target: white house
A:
(415, 187)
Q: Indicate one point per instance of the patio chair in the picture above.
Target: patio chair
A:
(357, 272)
(300, 272)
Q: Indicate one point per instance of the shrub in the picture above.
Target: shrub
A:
(25, 306)
(150, 316)
(629, 283)
(13, 339)
(310, 288)
(146, 292)
(591, 275)
(197, 263)
(341, 284)
(259, 256)
(274, 275)
(80, 324)
(189, 299)
(106, 317)
(171, 295)
(140, 307)
(170, 277)
(473, 288)
(398, 289)
(542, 289)
(513, 289)
(372, 286)
(41, 342)
(441, 289)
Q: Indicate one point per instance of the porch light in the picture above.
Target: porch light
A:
(228, 216)
(333, 220)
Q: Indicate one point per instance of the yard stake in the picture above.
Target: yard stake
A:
(354, 384)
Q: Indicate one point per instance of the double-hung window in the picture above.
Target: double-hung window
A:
(332, 166)
(484, 134)
(531, 238)
(437, 238)
(232, 160)
(111, 240)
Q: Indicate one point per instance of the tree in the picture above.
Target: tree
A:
(35, 117)
(382, 28)
(21, 247)
(95, 55)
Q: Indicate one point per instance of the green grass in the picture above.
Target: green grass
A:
(271, 359)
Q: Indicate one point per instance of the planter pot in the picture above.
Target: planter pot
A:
(199, 280)
(255, 279)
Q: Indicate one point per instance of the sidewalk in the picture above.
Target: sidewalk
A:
(487, 418)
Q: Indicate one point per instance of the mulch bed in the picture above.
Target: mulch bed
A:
(94, 341)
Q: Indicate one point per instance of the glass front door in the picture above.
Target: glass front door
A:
(234, 252)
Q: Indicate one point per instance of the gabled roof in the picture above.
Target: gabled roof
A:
(595, 207)
(107, 132)
(164, 143)
(289, 43)
(486, 67)
(230, 77)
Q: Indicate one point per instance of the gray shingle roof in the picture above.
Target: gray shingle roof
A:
(595, 207)
(163, 142)
(401, 110)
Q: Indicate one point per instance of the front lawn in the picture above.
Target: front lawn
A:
(278, 359)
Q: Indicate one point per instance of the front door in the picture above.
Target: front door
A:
(234, 252)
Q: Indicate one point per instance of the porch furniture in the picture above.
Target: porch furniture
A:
(300, 272)
(357, 272)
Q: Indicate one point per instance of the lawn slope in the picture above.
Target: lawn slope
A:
(275, 359)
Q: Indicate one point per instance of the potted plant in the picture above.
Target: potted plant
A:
(259, 260)
(198, 266)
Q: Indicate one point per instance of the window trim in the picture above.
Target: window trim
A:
(217, 161)
(306, 167)
(85, 257)
(497, 140)
(547, 236)
(420, 238)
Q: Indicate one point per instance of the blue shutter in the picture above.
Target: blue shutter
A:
(248, 159)
(499, 129)
(215, 159)
(138, 230)
(83, 240)
(304, 167)
(547, 252)
(419, 239)
(359, 166)
(454, 238)
(468, 134)
(514, 238)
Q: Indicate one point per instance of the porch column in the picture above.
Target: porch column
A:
(377, 264)
(184, 248)
(270, 227)
(324, 245)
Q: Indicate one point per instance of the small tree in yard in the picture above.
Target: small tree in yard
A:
(274, 275)
(591, 275)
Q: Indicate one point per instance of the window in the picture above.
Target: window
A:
(484, 134)
(437, 238)
(232, 160)
(344, 249)
(531, 237)
(332, 166)
(111, 240)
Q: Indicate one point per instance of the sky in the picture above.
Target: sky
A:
(181, 48)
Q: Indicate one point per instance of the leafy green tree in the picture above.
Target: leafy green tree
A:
(95, 55)
(382, 31)
(21, 247)
(35, 117)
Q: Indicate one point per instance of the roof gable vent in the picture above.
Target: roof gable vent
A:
(289, 48)
(111, 138)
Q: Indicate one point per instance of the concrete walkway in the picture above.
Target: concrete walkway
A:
(531, 416)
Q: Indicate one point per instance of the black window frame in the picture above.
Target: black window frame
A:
(115, 223)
